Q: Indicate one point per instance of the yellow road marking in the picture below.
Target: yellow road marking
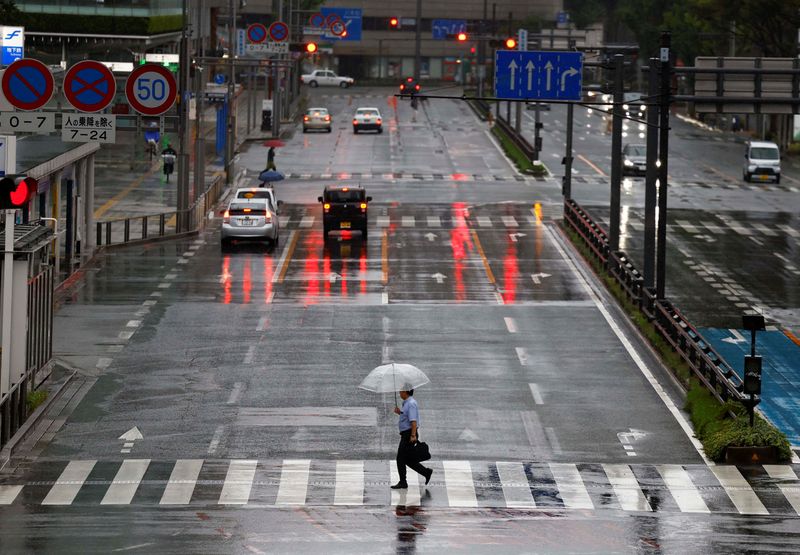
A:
(592, 165)
(122, 194)
(385, 257)
(792, 337)
(289, 253)
(483, 257)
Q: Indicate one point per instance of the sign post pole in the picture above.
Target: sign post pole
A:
(10, 167)
(183, 128)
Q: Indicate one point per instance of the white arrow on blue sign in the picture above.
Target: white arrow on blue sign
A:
(538, 75)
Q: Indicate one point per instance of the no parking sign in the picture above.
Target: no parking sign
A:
(89, 86)
(28, 84)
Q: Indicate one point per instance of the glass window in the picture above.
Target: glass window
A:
(342, 195)
(764, 153)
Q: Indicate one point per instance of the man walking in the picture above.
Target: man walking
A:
(409, 433)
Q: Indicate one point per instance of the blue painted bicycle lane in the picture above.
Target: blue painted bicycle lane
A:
(780, 381)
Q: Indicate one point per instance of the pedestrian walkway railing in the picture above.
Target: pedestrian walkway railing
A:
(706, 363)
(120, 231)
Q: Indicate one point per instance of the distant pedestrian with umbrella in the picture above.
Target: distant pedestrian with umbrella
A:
(394, 377)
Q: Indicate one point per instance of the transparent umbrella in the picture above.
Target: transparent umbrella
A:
(394, 377)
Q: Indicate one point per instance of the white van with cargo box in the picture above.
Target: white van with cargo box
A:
(762, 162)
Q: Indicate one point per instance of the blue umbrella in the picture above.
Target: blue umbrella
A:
(270, 176)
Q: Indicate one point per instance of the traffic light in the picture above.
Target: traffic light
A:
(311, 47)
(394, 23)
(305, 47)
(461, 37)
(16, 191)
(509, 43)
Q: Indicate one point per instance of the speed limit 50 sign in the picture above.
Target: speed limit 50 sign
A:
(151, 89)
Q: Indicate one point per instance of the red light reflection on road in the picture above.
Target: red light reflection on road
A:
(362, 269)
(247, 281)
(459, 177)
(510, 273)
(268, 271)
(312, 245)
(326, 272)
(225, 278)
(461, 245)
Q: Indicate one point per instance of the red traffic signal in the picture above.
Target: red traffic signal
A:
(461, 37)
(307, 47)
(511, 43)
(394, 23)
(311, 47)
(16, 191)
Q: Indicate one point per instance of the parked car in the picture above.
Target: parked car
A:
(344, 208)
(317, 118)
(762, 160)
(251, 217)
(326, 77)
(366, 119)
(634, 159)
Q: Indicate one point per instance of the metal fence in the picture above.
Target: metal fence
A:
(706, 364)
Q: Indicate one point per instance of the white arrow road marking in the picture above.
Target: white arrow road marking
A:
(468, 435)
(438, 277)
(333, 276)
(549, 67)
(132, 435)
(515, 236)
(511, 325)
(529, 66)
(430, 236)
(537, 278)
(513, 67)
(571, 71)
(737, 337)
(537, 395)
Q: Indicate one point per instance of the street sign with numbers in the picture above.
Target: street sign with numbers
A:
(86, 128)
(40, 123)
(538, 75)
(267, 48)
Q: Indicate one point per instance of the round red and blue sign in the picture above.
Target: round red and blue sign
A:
(151, 89)
(89, 86)
(256, 33)
(28, 84)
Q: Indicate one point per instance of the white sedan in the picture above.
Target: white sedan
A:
(367, 119)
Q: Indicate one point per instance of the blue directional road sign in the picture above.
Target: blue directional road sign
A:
(538, 75)
(351, 17)
(440, 28)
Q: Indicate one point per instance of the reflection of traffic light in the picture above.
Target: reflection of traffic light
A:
(16, 191)
(394, 23)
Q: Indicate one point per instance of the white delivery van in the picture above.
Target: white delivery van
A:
(762, 162)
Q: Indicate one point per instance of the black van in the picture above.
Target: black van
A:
(344, 208)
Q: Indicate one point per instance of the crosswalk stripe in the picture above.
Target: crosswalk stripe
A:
(126, 482)
(8, 494)
(182, 481)
(405, 497)
(283, 221)
(349, 483)
(790, 492)
(516, 488)
(484, 221)
(294, 482)
(383, 221)
(238, 482)
(69, 483)
(764, 229)
(715, 229)
(434, 221)
(788, 230)
(307, 221)
(682, 489)
(741, 230)
(409, 221)
(688, 227)
(510, 221)
(570, 485)
(740, 492)
(626, 487)
(460, 487)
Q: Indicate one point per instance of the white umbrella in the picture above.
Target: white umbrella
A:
(394, 377)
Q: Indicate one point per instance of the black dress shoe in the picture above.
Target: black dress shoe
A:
(400, 485)
(428, 476)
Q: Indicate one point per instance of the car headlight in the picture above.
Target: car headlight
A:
(628, 163)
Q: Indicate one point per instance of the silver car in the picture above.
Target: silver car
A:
(634, 160)
(250, 219)
(317, 118)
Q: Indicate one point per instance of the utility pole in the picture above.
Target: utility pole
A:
(418, 43)
(616, 153)
(650, 179)
(183, 125)
(231, 124)
(482, 50)
(199, 107)
(665, 100)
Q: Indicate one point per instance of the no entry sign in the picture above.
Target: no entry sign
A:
(27, 84)
(89, 86)
(151, 89)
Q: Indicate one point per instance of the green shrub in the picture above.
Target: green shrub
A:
(794, 149)
(36, 398)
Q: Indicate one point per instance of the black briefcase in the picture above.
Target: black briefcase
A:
(421, 451)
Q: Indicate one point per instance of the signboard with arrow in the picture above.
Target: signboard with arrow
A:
(538, 75)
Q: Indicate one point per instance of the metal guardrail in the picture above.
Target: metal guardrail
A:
(138, 228)
(706, 363)
(484, 110)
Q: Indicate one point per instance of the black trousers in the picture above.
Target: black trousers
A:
(406, 458)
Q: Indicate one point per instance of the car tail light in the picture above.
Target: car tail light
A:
(226, 217)
(416, 87)
(247, 210)
(402, 87)
(267, 216)
(363, 206)
(355, 121)
(327, 118)
(326, 206)
(379, 120)
(305, 118)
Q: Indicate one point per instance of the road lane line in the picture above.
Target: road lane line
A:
(262, 323)
(682, 488)
(585, 160)
(385, 258)
(349, 483)
(236, 393)
(294, 482)
(404, 497)
(790, 492)
(286, 257)
(459, 484)
(522, 356)
(537, 395)
(486, 266)
(238, 483)
(182, 482)
(126, 482)
(570, 486)
(626, 487)
(215, 439)
(516, 488)
(69, 483)
(739, 490)
(283, 221)
(251, 353)
(511, 325)
(665, 398)
(8, 494)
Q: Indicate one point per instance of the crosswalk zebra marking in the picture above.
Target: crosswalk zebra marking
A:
(788, 230)
(626, 487)
(69, 483)
(688, 227)
(571, 487)
(126, 482)
(790, 492)
(409, 497)
(516, 489)
(682, 488)
(484, 221)
(307, 221)
(383, 221)
(293, 487)
(284, 220)
(459, 483)
(8, 494)
(740, 492)
(408, 221)
(764, 229)
(182, 482)
(238, 482)
(715, 229)
(434, 221)
(349, 483)
(510, 221)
